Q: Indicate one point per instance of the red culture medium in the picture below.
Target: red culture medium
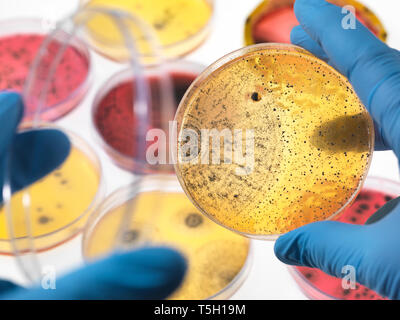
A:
(277, 25)
(366, 204)
(114, 118)
(17, 52)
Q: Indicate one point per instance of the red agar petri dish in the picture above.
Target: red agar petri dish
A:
(273, 21)
(115, 122)
(20, 41)
(318, 285)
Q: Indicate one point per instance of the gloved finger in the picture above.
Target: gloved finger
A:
(327, 245)
(6, 287)
(34, 154)
(152, 273)
(11, 110)
(302, 39)
(371, 66)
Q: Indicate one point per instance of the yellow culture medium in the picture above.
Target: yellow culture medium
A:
(214, 255)
(313, 140)
(180, 25)
(56, 201)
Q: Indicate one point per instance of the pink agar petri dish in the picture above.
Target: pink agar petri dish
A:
(318, 285)
(115, 122)
(273, 21)
(20, 41)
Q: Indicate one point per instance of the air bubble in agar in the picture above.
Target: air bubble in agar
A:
(312, 146)
(216, 257)
(180, 26)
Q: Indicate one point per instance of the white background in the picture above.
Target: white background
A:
(269, 279)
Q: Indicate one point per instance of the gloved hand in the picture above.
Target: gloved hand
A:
(143, 274)
(374, 71)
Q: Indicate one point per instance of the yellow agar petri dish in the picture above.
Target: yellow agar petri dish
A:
(270, 7)
(60, 203)
(309, 146)
(180, 26)
(218, 260)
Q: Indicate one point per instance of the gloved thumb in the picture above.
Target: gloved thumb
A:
(327, 245)
(152, 273)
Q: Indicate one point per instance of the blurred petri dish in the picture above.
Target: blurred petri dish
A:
(218, 260)
(179, 25)
(273, 20)
(114, 120)
(60, 203)
(320, 286)
(297, 141)
(20, 41)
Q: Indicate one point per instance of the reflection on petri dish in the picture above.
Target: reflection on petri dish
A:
(115, 122)
(59, 203)
(180, 26)
(273, 20)
(320, 286)
(297, 141)
(20, 41)
(218, 259)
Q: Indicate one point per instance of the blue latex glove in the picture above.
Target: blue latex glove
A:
(374, 71)
(143, 274)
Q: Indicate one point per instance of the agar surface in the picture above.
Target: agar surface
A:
(174, 21)
(215, 255)
(17, 52)
(312, 145)
(366, 204)
(114, 117)
(57, 200)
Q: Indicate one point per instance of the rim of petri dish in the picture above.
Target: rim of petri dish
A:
(85, 148)
(202, 35)
(122, 160)
(39, 26)
(265, 7)
(312, 292)
(230, 57)
(164, 184)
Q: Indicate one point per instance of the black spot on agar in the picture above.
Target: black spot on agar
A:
(255, 96)
(193, 220)
(130, 236)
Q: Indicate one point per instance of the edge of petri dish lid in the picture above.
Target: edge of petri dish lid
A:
(373, 183)
(270, 5)
(15, 26)
(162, 183)
(84, 147)
(121, 160)
(203, 33)
(237, 54)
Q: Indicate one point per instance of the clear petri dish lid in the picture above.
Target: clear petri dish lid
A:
(161, 215)
(49, 150)
(181, 26)
(271, 138)
(273, 20)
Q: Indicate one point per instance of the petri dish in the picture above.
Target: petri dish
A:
(297, 141)
(114, 120)
(273, 20)
(20, 41)
(320, 286)
(60, 203)
(179, 25)
(218, 260)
